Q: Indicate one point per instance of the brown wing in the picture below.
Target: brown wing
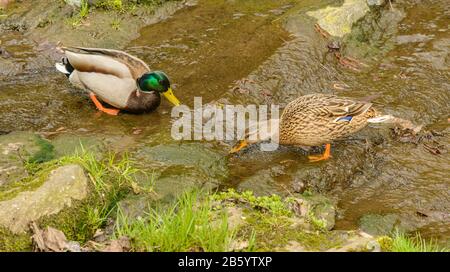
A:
(135, 66)
(345, 107)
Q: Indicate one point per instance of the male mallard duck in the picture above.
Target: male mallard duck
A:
(117, 78)
(317, 119)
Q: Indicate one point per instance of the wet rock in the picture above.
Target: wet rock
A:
(134, 206)
(317, 208)
(374, 34)
(261, 183)
(338, 21)
(376, 224)
(15, 149)
(414, 38)
(69, 144)
(64, 185)
(299, 187)
(183, 167)
(376, 2)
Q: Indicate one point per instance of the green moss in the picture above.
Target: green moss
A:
(112, 179)
(317, 223)
(10, 242)
(271, 222)
(385, 243)
(116, 5)
(274, 203)
(275, 232)
(36, 178)
(45, 153)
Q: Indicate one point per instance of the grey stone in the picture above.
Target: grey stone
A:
(376, 2)
(65, 184)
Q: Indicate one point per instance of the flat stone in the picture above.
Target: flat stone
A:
(65, 184)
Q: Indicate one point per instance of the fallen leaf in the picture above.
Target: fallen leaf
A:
(49, 240)
(121, 245)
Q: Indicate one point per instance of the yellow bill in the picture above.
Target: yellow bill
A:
(171, 97)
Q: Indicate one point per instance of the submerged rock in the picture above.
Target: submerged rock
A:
(64, 185)
(178, 168)
(338, 21)
(377, 224)
(319, 210)
(16, 149)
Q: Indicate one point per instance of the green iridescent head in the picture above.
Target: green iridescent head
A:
(157, 81)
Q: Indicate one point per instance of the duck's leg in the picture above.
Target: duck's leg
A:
(325, 156)
(241, 144)
(100, 106)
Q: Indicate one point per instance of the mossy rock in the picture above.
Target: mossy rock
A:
(377, 224)
(64, 184)
(17, 149)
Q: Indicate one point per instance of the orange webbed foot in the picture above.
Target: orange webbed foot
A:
(325, 156)
(100, 106)
(240, 145)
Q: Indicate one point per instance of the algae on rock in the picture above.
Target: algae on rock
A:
(64, 185)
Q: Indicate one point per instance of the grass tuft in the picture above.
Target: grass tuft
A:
(188, 225)
(403, 243)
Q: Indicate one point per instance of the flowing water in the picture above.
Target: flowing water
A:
(240, 52)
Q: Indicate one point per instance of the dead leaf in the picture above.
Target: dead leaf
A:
(49, 240)
(37, 238)
(121, 245)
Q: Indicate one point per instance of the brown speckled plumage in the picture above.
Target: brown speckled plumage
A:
(311, 120)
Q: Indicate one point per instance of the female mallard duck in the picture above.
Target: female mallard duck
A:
(117, 78)
(317, 119)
